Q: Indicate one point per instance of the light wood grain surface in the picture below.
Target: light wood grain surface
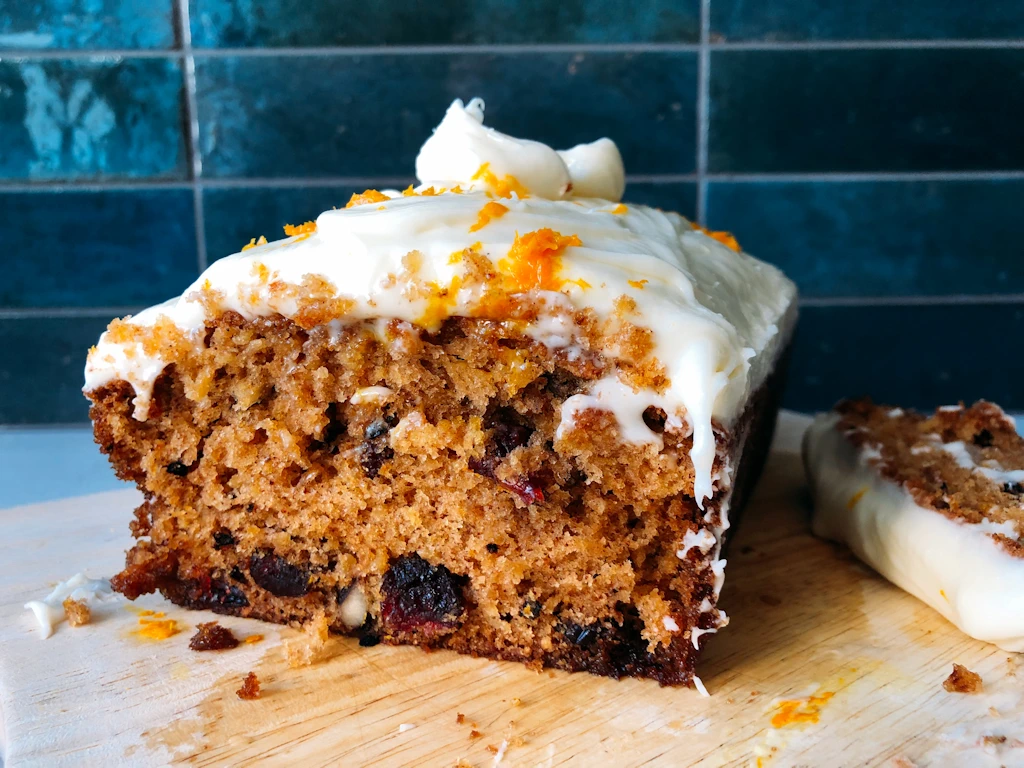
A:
(823, 664)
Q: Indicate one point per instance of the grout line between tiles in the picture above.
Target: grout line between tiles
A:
(703, 110)
(516, 48)
(192, 119)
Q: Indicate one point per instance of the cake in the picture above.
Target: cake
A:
(935, 504)
(501, 413)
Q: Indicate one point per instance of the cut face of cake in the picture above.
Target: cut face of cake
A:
(500, 413)
(934, 504)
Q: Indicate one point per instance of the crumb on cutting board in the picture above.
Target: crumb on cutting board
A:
(77, 611)
(250, 687)
(460, 718)
(211, 636)
(962, 680)
(304, 651)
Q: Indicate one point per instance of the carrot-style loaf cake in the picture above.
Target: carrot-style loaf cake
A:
(933, 503)
(500, 413)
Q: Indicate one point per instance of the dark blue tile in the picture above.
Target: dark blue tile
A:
(240, 23)
(866, 110)
(87, 24)
(96, 118)
(680, 197)
(41, 369)
(881, 238)
(100, 249)
(920, 356)
(234, 216)
(368, 115)
(866, 20)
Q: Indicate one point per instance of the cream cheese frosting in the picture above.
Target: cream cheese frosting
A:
(954, 566)
(717, 316)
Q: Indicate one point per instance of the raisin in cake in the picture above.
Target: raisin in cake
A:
(933, 503)
(501, 413)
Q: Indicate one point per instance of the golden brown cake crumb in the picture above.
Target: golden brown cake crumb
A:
(962, 680)
(77, 611)
(474, 734)
(460, 718)
(211, 636)
(304, 651)
(250, 687)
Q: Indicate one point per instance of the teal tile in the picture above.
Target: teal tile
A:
(299, 23)
(91, 118)
(866, 110)
(881, 238)
(919, 356)
(87, 24)
(749, 20)
(109, 248)
(680, 197)
(347, 115)
(42, 368)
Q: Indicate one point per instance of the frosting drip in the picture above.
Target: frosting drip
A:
(715, 314)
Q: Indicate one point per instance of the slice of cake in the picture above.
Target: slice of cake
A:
(933, 503)
(501, 413)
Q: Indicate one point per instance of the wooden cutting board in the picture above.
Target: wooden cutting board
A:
(823, 664)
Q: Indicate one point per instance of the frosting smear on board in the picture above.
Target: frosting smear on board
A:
(552, 225)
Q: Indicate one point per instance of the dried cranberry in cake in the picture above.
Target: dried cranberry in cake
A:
(276, 575)
(420, 597)
(509, 431)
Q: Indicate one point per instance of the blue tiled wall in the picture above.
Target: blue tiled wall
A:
(873, 150)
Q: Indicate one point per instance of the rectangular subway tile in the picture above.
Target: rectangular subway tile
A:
(880, 238)
(919, 356)
(298, 23)
(866, 110)
(234, 216)
(97, 248)
(680, 197)
(87, 24)
(41, 369)
(101, 118)
(797, 20)
(350, 115)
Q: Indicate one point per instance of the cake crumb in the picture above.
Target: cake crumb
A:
(460, 718)
(962, 680)
(516, 701)
(463, 763)
(492, 749)
(211, 636)
(78, 612)
(250, 688)
(992, 741)
(304, 651)
(475, 734)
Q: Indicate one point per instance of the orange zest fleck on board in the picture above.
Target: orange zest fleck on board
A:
(797, 711)
(253, 639)
(852, 502)
(503, 187)
(308, 228)
(157, 629)
(534, 260)
(639, 284)
(253, 242)
(488, 213)
(620, 209)
(725, 238)
(369, 196)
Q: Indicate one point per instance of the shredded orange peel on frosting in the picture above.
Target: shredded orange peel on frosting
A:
(488, 213)
(253, 242)
(369, 196)
(308, 228)
(725, 238)
(534, 260)
(503, 187)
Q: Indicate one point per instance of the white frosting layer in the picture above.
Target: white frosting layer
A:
(955, 567)
(50, 610)
(717, 316)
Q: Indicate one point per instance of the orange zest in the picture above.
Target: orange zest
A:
(253, 242)
(796, 711)
(157, 629)
(253, 639)
(369, 196)
(488, 213)
(852, 501)
(440, 303)
(291, 230)
(503, 187)
(534, 260)
(619, 209)
(725, 238)
(638, 283)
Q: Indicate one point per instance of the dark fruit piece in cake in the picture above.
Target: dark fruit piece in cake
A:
(276, 575)
(420, 597)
